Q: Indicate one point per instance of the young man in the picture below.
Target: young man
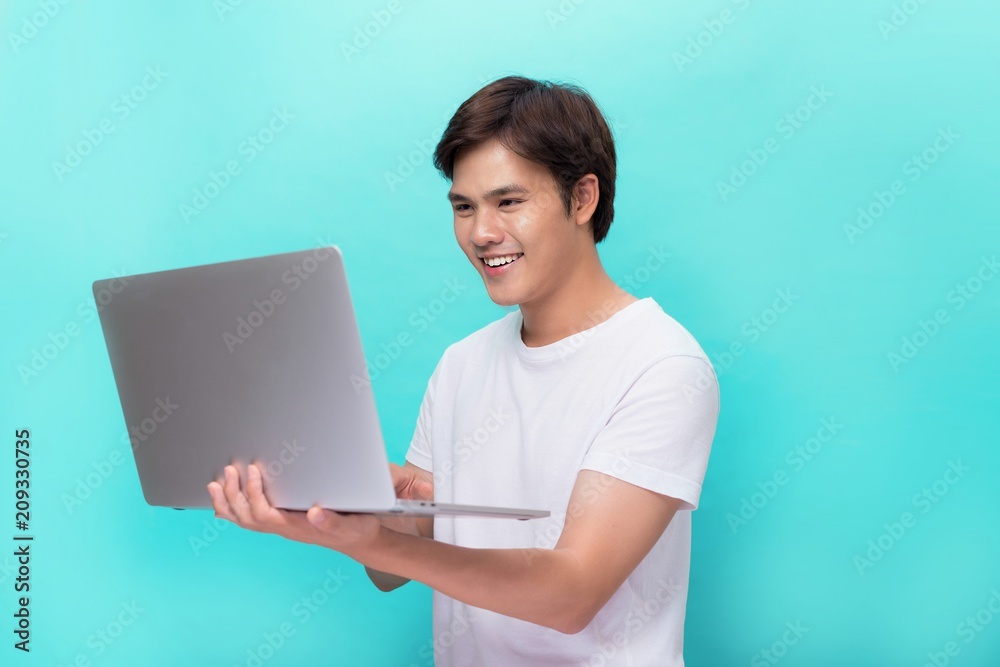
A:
(586, 401)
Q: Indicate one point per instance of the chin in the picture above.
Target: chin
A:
(502, 300)
(506, 303)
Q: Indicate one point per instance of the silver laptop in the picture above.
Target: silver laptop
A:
(253, 360)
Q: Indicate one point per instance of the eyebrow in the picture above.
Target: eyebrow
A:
(510, 188)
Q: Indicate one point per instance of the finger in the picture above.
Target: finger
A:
(260, 507)
(408, 485)
(400, 478)
(219, 502)
(238, 504)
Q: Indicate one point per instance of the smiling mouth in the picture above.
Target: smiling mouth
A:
(516, 257)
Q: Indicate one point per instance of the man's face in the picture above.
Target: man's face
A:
(506, 205)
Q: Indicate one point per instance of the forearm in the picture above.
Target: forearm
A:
(384, 581)
(542, 586)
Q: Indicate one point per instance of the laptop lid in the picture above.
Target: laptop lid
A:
(258, 358)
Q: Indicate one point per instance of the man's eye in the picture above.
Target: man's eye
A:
(513, 201)
(458, 207)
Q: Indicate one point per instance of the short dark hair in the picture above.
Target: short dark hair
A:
(556, 125)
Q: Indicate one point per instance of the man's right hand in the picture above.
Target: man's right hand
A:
(411, 483)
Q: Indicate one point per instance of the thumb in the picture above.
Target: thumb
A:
(321, 518)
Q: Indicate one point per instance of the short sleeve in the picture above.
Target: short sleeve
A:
(660, 434)
(419, 452)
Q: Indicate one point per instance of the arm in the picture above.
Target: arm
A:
(611, 525)
(410, 482)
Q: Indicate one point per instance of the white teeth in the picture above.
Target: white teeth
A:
(497, 261)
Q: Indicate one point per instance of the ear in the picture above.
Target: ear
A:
(586, 193)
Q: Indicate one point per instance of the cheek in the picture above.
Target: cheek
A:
(524, 228)
(462, 238)
(540, 234)
(462, 235)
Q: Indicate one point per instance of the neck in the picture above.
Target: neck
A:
(586, 299)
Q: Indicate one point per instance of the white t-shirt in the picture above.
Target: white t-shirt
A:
(634, 397)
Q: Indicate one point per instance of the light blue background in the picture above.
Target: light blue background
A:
(681, 127)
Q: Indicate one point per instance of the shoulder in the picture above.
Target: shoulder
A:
(657, 336)
(661, 358)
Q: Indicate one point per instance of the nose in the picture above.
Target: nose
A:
(485, 229)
